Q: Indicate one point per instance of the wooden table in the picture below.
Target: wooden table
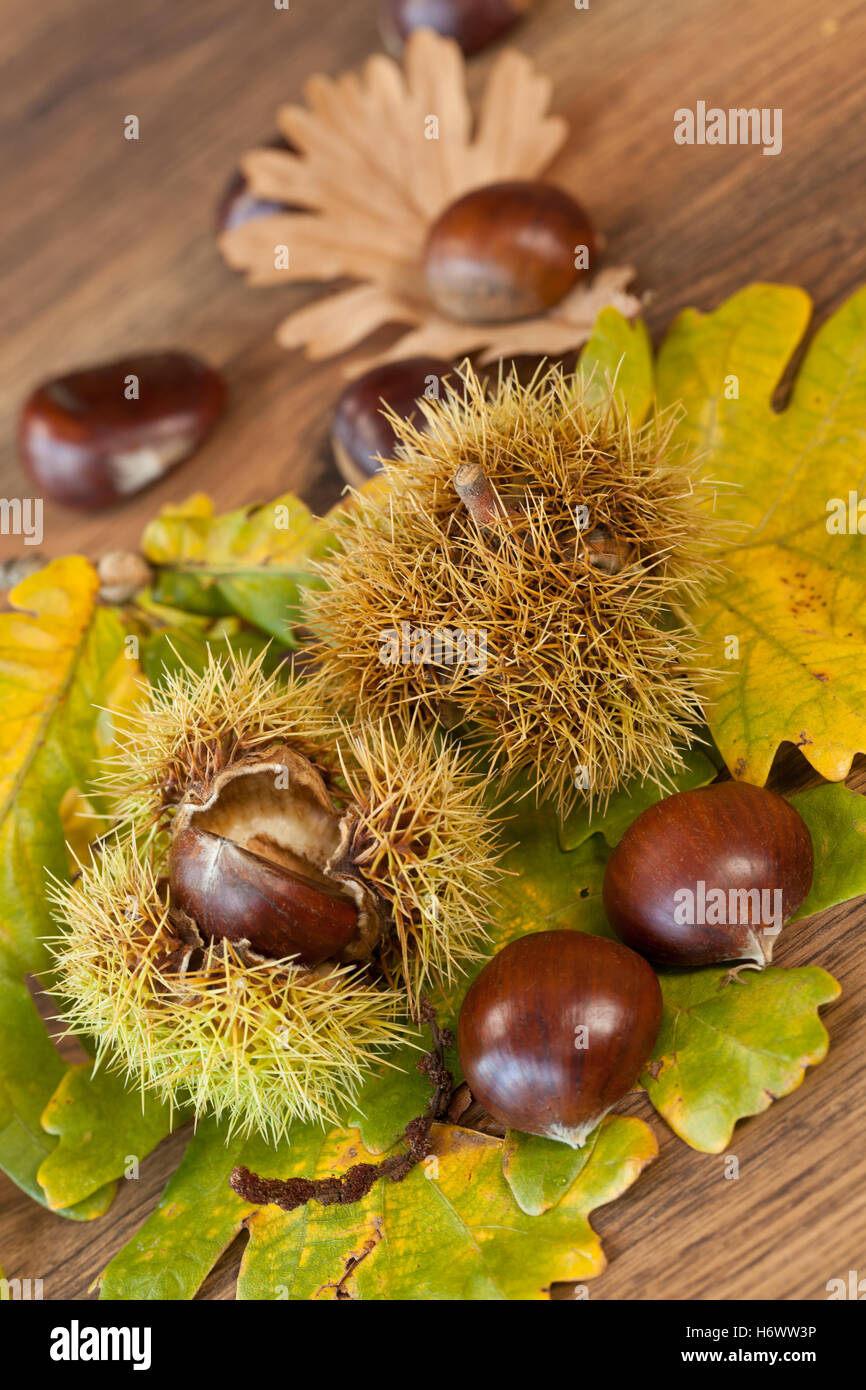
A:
(108, 246)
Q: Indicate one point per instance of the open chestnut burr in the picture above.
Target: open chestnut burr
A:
(709, 875)
(556, 1029)
(258, 862)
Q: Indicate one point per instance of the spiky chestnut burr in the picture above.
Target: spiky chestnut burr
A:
(281, 888)
(558, 545)
(210, 1024)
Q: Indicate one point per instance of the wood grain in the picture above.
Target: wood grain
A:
(107, 245)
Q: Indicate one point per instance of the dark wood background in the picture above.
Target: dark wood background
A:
(107, 246)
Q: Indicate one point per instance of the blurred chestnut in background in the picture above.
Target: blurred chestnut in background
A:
(238, 205)
(709, 875)
(361, 432)
(556, 1029)
(473, 23)
(507, 251)
(100, 434)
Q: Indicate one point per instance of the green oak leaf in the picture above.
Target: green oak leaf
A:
(836, 818)
(164, 653)
(30, 1068)
(619, 356)
(451, 1230)
(197, 1218)
(393, 1094)
(251, 562)
(540, 1171)
(88, 1113)
(626, 804)
(730, 1046)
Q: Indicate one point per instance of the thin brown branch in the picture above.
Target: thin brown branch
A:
(356, 1182)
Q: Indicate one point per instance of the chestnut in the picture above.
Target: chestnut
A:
(238, 205)
(507, 251)
(233, 894)
(361, 432)
(473, 23)
(709, 875)
(556, 1029)
(100, 434)
(260, 860)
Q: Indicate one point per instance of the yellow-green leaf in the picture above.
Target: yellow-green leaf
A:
(619, 356)
(729, 1047)
(63, 669)
(252, 561)
(540, 1171)
(786, 623)
(451, 1230)
(88, 1114)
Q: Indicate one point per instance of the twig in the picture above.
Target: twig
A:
(356, 1182)
(479, 496)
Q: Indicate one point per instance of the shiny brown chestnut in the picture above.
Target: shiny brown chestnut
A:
(556, 1029)
(361, 432)
(473, 23)
(236, 895)
(507, 251)
(256, 856)
(238, 205)
(709, 875)
(100, 434)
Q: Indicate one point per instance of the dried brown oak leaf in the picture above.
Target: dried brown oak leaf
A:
(373, 182)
